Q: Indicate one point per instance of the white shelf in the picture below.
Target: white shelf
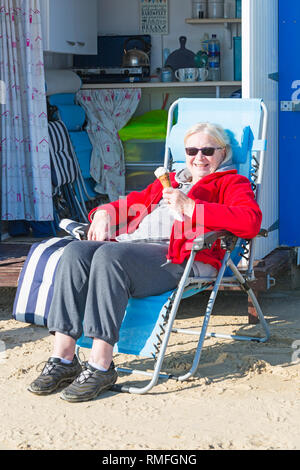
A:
(161, 85)
(212, 20)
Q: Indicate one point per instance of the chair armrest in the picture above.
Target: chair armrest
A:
(207, 239)
(263, 233)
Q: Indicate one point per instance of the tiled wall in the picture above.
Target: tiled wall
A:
(57, 61)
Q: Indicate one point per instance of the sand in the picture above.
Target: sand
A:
(244, 395)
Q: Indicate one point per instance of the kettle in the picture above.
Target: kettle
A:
(136, 57)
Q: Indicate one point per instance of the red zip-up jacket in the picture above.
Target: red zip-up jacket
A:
(224, 201)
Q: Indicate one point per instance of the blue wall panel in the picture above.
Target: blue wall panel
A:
(289, 123)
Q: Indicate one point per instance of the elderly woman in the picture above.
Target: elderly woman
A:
(133, 250)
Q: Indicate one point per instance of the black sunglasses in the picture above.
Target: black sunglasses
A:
(207, 151)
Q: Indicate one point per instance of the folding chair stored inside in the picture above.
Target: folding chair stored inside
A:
(148, 323)
(65, 174)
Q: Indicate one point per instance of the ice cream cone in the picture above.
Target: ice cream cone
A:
(162, 174)
(165, 180)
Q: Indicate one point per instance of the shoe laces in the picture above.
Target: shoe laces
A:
(84, 375)
(48, 369)
(45, 367)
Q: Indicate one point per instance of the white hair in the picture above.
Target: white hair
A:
(215, 131)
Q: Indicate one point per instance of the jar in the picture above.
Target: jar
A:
(166, 74)
(199, 9)
(215, 8)
(229, 8)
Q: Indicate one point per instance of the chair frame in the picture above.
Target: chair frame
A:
(229, 242)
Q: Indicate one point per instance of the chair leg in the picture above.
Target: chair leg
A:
(203, 334)
(208, 312)
(252, 314)
(258, 311)
(168, 330)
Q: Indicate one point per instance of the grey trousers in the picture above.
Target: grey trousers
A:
(94, 281)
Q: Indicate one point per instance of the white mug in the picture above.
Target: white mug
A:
(186, 74)
(202, 74)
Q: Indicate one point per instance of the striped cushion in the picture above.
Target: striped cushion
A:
(63, 161)
(35, 286)
(78, 230)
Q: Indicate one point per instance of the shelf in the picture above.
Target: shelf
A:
(161, 85)
(212, 20)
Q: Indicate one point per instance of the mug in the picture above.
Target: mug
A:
(202, 74)
(186, 74)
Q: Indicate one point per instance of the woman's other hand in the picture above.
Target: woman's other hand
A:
(100, 228)
(178, 201)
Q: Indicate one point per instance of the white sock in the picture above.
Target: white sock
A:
(63, 361)
(96, 366)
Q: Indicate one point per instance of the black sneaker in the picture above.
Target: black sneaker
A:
(90, 383)
(55, 374)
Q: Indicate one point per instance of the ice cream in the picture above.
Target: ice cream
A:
(162, 174)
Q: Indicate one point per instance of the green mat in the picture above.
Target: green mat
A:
(150, 126)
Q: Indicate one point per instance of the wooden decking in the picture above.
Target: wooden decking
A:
(266, 271)
(12, 257)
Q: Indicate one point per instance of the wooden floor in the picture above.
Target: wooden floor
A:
(13, 253)
(12, 257)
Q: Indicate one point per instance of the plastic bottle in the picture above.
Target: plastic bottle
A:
(214, 46)
(238, 8)
(201, 57)
(214, 58)
(204, 43)
(166, 53)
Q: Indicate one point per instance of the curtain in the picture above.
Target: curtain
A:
(108, 110)
(25, 164)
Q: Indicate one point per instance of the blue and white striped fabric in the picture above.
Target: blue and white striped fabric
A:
(35, 286)
(63, 161)
(76, 229)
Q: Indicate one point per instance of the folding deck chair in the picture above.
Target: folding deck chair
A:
(61, 88)
(62, 106)
(65, 175)
(148, 322)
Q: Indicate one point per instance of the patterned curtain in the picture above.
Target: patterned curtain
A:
(107, 112)
(25, 164)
